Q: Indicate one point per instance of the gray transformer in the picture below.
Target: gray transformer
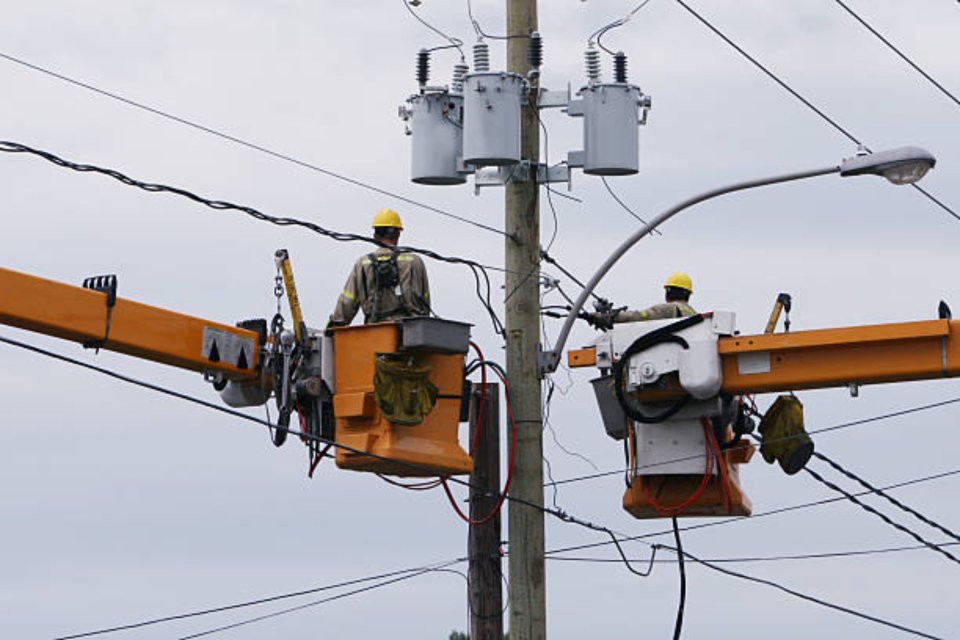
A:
(611, 116)
(436, 127)
(491, 119)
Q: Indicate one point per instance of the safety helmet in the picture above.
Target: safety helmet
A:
(679, 280)
(387, 218)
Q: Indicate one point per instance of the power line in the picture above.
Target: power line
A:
(836, 427)
(483, 286)
(624, 206)
(804, 100)
(897, 51)
(457, 43)
(250, 145)
(827, 555)
(803, 596)
(866, 507)
(755, 516)
(560, 514)
(258, 601)
(315, 603)
(866, 485)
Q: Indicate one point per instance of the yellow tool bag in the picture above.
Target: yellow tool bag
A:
(402, 389)
(784, 437)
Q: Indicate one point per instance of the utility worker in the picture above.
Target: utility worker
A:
(677, 291)
(387, 284)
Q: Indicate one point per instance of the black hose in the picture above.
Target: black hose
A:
(664, 334)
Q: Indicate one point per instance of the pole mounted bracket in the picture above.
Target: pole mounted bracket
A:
(547, 361)
(501, 175)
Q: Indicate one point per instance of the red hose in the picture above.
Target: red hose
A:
(483, 399)
(676, 510)
(510, 466)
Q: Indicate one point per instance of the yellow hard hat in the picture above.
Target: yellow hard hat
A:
(679, 280)
(387, 218)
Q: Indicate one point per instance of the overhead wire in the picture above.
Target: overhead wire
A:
(481, 278)
(619, 22)
(869, 509)
(624, 205)
(845, 132)
(557, 513)
(756, 516)
(481, 33)
(308, 605)
(456, 43)
(252, 603)
(827, 555)
(897, 51)
(804, 596)
(251, 145)
(836, 427)
(897, 503)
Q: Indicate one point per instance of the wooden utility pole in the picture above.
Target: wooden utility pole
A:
(527, 580)
(483, 542)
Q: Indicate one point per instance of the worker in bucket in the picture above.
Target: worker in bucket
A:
(677, 291)
(387, 284)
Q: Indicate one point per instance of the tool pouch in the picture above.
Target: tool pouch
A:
(784, 438)
(402, 389)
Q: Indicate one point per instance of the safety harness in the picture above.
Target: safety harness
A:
(386, 275)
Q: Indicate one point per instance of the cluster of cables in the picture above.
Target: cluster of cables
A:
(480, 275)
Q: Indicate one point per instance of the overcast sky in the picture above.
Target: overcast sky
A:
(120, 505)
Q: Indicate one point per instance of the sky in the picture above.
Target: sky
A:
(120, 505)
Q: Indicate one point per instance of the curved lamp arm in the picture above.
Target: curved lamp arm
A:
(550, 360)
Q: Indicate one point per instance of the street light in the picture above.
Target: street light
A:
(904, 165)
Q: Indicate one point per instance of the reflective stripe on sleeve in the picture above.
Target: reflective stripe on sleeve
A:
(349, 296)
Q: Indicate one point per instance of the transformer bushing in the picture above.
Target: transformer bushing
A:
(436, 126)
(491, 118)
(611, 139)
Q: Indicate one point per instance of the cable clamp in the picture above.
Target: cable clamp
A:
(105, 284)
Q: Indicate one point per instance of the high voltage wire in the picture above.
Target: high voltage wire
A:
(259, 601)
(483, 287)
(836, 427)
(413, 466)
(803, 596)
(896, 525)
(897, 51)
(755, 516)
(866, 485)
(826, 555)
(308, 605)
(250, 145)
(804, 100)
(560, 514)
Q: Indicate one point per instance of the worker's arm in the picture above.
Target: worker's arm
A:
(348, 304)
(661, 311)
(419, 290)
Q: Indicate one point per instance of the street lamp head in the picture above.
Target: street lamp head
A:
(904, 165)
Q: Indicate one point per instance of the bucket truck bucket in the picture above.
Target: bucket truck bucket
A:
(398, 392)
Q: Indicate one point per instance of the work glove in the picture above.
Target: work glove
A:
(600, 320)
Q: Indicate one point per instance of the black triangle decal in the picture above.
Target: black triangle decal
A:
(214, 353)
(242, 360)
